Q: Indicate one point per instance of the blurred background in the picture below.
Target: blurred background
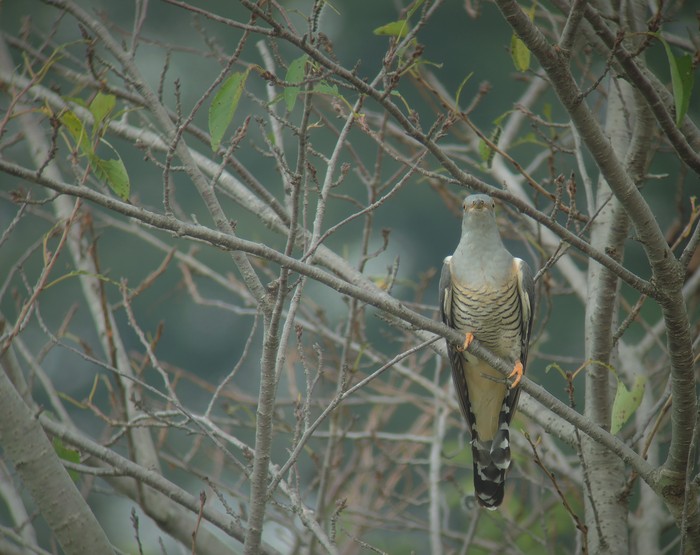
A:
(203, 322)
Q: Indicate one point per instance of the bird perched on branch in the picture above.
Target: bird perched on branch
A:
(487, 293)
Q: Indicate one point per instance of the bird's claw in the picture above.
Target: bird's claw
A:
(516, 374)
(468, 338)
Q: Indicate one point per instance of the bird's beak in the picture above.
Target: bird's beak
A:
(478, 205)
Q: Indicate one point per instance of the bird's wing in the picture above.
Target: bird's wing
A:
(456, 358)
(526, 295)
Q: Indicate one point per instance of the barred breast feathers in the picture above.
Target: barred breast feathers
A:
(494, 316)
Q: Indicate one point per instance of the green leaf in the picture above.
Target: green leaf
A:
(681, 79)
(295, 74)
(100, 108)
(77, 130)
(520, 54)
(325, 88)
(70, 455)
(75, 100)
(113, 172)
(223, 106)
(394, 29)
(485, 151)
(518, 51)
(685, 72)
(626, 402)
(399, 28)
(547, 111)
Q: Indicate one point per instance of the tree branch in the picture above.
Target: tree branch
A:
(379, 300)
(666, 268)
(25, 444)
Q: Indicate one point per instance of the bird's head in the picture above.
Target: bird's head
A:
(478, 209)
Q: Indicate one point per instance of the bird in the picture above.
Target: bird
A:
(487, 293)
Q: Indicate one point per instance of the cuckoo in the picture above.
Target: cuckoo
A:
(487, 294)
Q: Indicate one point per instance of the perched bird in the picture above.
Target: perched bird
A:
(487, 293)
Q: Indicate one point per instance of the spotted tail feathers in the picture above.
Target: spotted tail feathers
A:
(491, 462)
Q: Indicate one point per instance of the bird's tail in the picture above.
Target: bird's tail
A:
(491, 462)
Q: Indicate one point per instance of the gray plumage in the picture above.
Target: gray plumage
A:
(485, 291)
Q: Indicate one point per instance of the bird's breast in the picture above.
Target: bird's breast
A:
(491, 313)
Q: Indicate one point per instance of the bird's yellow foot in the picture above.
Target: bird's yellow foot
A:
(468, 338)
(516, 374)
